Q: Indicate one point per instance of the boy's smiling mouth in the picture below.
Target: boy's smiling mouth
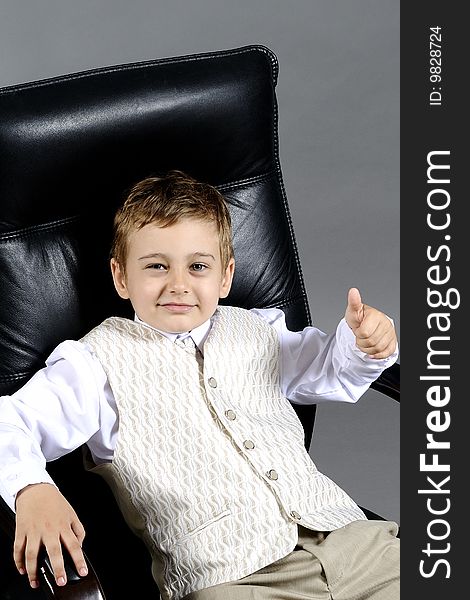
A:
(177, 307)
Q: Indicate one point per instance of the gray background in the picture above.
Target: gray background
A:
(338, 96)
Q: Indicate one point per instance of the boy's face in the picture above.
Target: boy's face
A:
(174, 275)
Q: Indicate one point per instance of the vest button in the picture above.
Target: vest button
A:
(248, 444)
(231, 416)
(295, 515)
(212, 382)
(272, 474)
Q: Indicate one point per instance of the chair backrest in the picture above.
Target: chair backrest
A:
(70, 146)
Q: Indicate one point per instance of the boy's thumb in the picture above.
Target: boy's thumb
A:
(355, 309)
(354, 299)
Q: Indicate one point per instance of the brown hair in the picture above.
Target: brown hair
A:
(165, 201)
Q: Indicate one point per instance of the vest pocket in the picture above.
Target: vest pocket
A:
(224, 514)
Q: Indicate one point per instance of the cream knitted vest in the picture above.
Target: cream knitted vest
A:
(210, 467)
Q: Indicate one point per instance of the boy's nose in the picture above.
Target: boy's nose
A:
(178, 283)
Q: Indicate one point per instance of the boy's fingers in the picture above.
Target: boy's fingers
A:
(369, 333)
(18, 554)
(54, 551)
(78, 530)
(26, 556)
(378, 340)
(374, 327)
(369, 339)
(73, 546)
(384, 345)
(389, 350)
(31, 560)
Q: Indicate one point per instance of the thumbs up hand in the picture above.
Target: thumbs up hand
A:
(374, 332)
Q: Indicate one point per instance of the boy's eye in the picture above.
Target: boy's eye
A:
(198, 267)
(156, 266)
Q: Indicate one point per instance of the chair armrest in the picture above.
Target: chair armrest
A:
(389, 382)
(77, 588)
(372, 516)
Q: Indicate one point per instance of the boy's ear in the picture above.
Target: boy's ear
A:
(119, 279)
(227, 279)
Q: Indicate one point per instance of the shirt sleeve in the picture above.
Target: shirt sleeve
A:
(318, 367)
(60, 408)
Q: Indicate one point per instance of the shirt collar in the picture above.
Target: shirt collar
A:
(199, 334)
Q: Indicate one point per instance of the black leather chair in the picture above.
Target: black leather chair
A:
(70, 146)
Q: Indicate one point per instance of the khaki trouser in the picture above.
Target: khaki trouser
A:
(357, 562)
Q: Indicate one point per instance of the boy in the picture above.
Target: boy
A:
(184, 412)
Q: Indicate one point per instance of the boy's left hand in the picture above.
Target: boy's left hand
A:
(374, 331)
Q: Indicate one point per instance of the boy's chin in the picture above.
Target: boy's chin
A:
(177, 323)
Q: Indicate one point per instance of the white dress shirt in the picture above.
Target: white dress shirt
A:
(70, 403)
